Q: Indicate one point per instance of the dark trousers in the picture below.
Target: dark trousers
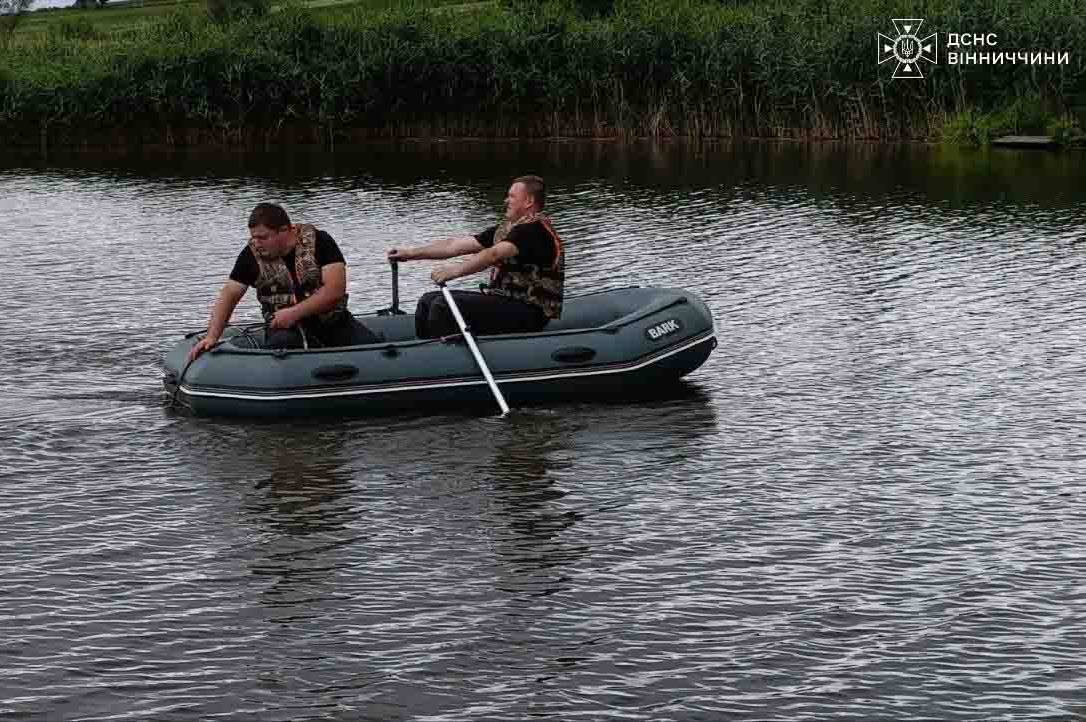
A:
(484, 313)
(350, 332)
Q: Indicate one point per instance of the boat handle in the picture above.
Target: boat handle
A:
(337, 372)
(574, 354)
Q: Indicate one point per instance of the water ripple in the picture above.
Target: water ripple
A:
(866, 505)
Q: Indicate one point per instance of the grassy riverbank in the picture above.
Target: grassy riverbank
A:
(696, 68)
(120, 16)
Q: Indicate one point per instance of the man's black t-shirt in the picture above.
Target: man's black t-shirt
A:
(247, 271)
(534, 243)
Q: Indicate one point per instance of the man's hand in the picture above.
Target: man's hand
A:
(284, 318)
(444, 274)
(205, 344)
(400, 254)
(231, 293)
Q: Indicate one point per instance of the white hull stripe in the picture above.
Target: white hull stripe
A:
(446, 384)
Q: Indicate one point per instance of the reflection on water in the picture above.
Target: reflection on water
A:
(307, 490)
(410, 171)
(864, 506)
(525, 494)
(305, 505)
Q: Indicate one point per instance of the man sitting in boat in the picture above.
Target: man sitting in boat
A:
(527, 270)
(300, 277)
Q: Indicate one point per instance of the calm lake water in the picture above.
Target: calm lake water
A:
(867, 505)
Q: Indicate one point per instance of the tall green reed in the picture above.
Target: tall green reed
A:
(650, 67)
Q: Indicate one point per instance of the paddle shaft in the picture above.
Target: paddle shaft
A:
(474, 349)
(395, 287)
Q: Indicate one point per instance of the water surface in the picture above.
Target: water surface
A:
(864, 506)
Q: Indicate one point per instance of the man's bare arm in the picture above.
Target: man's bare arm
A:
(228, 299)
(437, 250)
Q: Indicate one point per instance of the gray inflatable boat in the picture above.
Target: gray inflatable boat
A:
(609, 343)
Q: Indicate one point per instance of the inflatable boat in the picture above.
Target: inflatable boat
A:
(607, 343)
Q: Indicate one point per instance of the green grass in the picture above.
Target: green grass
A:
(136, 13)
(1029, 115)
(695, 68)
(105, 18)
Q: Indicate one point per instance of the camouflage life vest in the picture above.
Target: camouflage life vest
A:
(540, 286)
(276, 291)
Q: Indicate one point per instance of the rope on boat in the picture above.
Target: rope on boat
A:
(246, 333)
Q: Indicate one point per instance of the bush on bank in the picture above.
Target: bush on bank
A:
(649, 68)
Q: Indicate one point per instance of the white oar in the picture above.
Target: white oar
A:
(474, 349)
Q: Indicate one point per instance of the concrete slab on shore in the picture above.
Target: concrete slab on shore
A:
(1025, 141)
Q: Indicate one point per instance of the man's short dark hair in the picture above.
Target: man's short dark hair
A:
(270, 216)
(535, 187)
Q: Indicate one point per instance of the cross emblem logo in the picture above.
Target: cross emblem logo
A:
(908, 48)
